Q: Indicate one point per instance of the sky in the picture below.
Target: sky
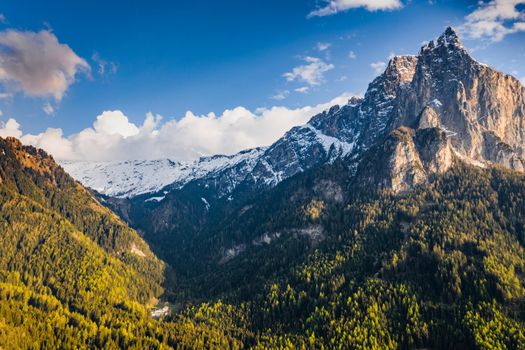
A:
(116, 80)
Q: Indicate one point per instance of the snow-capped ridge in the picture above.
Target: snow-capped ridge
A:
(131, 178)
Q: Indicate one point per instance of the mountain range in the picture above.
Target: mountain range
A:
(394, 221)
(480, 110)
(418, 117)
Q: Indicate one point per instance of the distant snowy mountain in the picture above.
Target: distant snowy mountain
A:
(136, 177)
(299, 149)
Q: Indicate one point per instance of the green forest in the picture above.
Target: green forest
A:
(439, 267)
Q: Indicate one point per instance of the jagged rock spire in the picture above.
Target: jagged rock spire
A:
(450, 38)
(448, 41)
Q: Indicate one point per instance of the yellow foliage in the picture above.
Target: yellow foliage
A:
(315, 209)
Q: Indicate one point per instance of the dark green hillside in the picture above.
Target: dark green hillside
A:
(33, 174)
(440, 267)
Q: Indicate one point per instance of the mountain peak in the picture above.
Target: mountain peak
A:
(450, 38)
(402, 68)
(449, 41)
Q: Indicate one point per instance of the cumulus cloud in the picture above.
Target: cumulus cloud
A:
(331, 7)
(378, 67)
(495, 19)
(114, 137)
(37, 64)
(54, 142)
(10, 128)
(311, 73)
(352, 55)
(115, 123)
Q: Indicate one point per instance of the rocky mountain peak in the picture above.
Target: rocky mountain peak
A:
(456, 107)
(401, 69)
(449, 41)
(450, 38)
(445, 61)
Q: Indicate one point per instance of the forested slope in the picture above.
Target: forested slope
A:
(441, 266)
(327, 262)
(71, 273)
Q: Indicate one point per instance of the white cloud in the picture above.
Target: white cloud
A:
(115, 123)
(10, 128)
(311, 73)
(323, 46)
(378, 67)
(303, 89)
(352, 55)
(280, 95)
(104, 67)
(332, 7)
(48, 108)
(54, 142)
(114, 137)
(342, 78)
(37, 64)
(495, 19)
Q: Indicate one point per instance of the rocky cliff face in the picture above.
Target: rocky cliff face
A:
(405, 159)
(481, 109)
(455, 106)
(479, 114)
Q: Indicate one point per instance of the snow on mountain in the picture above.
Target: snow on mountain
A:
(300, 149)
(135, 177)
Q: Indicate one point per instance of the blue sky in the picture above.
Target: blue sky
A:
(169, 57)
